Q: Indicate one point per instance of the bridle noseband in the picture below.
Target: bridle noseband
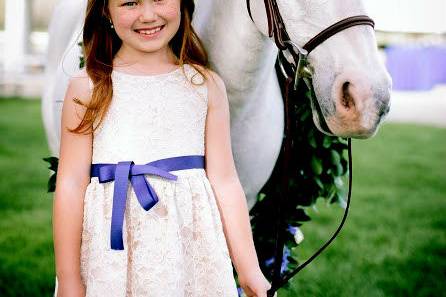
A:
(294, 57)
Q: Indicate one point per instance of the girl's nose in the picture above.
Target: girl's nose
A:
(148, 13)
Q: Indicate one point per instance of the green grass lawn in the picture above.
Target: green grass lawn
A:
(393, 243)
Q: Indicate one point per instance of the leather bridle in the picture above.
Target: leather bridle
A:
(276, 26)
(293, 57)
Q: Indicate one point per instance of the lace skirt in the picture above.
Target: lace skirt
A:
(175, 249)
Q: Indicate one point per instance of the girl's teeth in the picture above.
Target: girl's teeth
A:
(149, 32)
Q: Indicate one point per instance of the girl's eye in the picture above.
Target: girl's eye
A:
(130, 3)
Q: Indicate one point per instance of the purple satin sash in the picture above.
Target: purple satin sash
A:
(123, 171)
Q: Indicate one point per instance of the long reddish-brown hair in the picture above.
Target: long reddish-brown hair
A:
(100, 45)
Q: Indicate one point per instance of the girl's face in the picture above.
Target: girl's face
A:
(145, 25)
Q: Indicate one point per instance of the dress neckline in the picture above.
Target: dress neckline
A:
(157, 75)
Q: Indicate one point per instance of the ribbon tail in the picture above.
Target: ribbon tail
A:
(119, 201)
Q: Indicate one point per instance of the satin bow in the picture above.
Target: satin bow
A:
(147, 198)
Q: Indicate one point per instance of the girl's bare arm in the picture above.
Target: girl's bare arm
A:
(73, 176)
(221, 172)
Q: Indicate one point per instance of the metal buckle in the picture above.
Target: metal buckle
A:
(301, 67)
(297, 49)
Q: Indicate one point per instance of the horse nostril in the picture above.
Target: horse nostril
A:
(347, 99)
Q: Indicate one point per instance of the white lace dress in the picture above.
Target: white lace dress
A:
(177, 248)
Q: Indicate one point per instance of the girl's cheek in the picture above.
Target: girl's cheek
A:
(170, 10)
(126, 20)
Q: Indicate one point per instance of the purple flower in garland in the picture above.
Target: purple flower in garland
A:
(292, 229)
(286, 254)
(269, 262)
(285, 261)
(298, 236)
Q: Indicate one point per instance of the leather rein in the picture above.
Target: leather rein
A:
(293, 57)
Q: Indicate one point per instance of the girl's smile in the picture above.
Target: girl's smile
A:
(150, 33)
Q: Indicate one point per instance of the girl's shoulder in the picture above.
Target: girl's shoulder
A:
(216, 87)
(81, 77)
(212, 78)
(81, 84)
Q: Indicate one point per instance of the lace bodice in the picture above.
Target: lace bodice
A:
(161, 115)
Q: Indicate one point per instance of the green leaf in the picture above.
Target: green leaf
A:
(327, 142)
(81, 58)
(335, 157)
(312, 142)
(52, 183)
(339, 170)
(318, 182)
(338, 182)
(331, 193)
(305, 115)
(341, 201)
(81, 62)
(316, 165)
(292, 260)
(343, 140)
(308, 95)
(53, 161)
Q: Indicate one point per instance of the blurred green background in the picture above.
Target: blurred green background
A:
(393, 242)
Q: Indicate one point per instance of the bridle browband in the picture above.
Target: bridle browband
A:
(293, 57)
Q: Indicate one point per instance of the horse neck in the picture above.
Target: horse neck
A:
(242, 55)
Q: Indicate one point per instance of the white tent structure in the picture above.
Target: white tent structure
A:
(17, 16)
(23, 50)
(408, 16)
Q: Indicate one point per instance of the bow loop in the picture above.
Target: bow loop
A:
(150, 169)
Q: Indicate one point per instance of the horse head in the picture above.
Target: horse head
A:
(350, 81)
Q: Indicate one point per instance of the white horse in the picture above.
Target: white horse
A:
(350, 80)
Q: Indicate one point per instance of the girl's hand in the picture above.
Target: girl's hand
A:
(254, 284)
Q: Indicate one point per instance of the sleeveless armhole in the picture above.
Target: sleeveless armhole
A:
(196, 80)
(90, 88)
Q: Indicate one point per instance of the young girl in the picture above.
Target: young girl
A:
(148, 202)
